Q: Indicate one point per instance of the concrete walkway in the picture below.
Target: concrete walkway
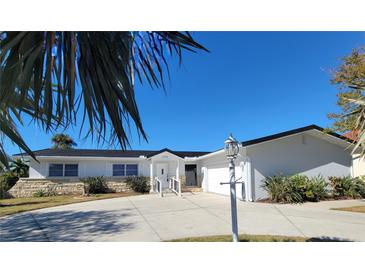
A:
(151, 218)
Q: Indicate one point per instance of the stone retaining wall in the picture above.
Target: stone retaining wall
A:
(26, 187)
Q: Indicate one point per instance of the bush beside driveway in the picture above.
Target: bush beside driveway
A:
(300, 188)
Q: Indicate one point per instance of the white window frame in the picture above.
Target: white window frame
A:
(64, 170)
(125, 169)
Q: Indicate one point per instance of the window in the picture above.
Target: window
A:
(55, 170)
(71, 170)
(132, 170)
(60, 170)
(118, 170)
(125, 170)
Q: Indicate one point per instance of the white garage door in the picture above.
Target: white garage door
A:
(218, 174)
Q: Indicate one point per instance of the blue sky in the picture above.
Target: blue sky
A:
(251, 84)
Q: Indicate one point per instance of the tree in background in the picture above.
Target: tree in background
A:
(52, 75)
(63, 141)
(350, 78)
(9, 176)
(19, 168)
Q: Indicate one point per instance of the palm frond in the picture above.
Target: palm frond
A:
(59, 71)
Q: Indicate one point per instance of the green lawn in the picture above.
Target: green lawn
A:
(16, 205)
(359, 209)
(243, 238)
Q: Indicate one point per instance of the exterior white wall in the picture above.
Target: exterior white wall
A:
(302, 153)
(87, 167)
(36, 169)
(104, 167)
(358, 165)
(144, 168)
(94, 168)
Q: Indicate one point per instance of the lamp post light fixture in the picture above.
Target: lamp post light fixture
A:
(231, 147)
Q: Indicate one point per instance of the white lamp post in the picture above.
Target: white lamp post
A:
(231, 147)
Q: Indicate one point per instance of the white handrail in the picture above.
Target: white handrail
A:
(175, 186)
(158, 186)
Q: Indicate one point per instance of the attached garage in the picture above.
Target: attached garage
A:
(215, 172)
(308, 150)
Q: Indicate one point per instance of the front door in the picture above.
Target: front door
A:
(190, 175)
(162, 174)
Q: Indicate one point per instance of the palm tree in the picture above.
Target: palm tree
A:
(62, 141)
(19, 167)
(42, 68)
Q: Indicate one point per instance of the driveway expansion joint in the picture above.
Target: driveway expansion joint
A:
(144, 218)
(290, 221)
(209, 211)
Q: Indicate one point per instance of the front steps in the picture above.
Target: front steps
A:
(191, 189)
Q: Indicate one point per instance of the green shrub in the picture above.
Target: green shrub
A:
(300, 188)
(295, 189)
(299, 184)
(316, 189)
(44, 193)
(281, 190)
(40, 193)
(94, 185)
(347, 187)
(10, 178)
(7, 181)
(340, 186)
(139, 183)
(3, 189)
(358, 188)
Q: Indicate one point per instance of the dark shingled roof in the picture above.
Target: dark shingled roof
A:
(182, 154)
(110, 153)
(291, 132)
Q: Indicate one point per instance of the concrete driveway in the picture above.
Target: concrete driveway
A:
(151, 218)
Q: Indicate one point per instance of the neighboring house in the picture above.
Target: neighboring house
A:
(358, 161)
(307, 150)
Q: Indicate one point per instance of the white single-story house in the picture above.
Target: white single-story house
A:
(308, 150)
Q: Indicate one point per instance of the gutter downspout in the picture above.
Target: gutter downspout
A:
(248, 185)
(245, 164)
(246, 174)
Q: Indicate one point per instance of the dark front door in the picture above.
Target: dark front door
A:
(190, 175)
